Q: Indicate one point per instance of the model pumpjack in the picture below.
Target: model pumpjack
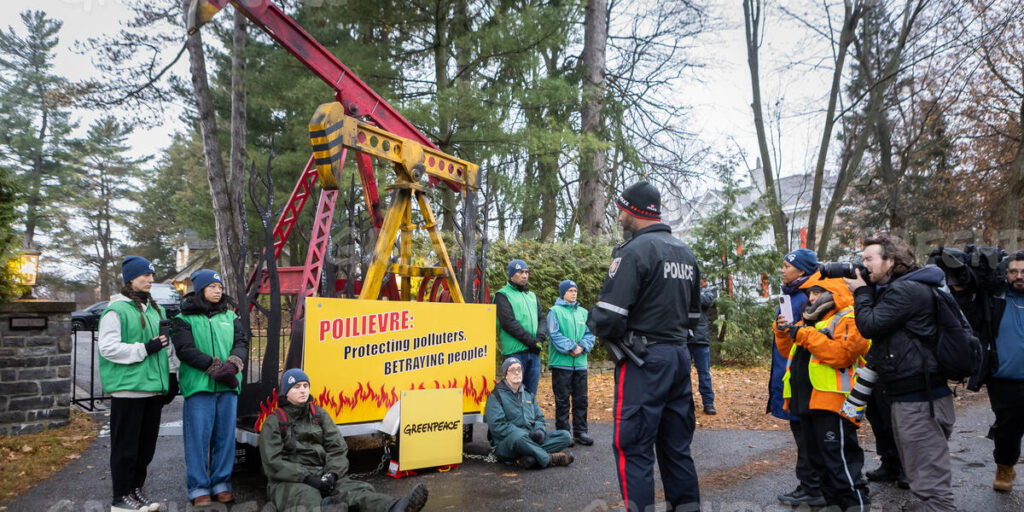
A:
(362, 122)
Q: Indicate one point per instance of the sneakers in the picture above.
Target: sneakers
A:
(127, 503)
(412, 502)
(1004, 478)
(584, 439)
(140, 495)
(561, 459)
(800, 496)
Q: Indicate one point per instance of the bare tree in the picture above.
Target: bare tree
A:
(593, 160)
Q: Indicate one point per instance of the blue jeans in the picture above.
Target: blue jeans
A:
(208, 427)
(531, 369)
(700, 356)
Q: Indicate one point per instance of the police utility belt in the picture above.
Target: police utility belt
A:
(634, 347)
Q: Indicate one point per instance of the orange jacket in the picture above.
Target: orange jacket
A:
(843, 350)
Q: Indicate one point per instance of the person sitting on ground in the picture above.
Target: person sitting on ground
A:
(305, 459)
(516, 426)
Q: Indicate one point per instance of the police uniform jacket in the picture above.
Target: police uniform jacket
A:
(652, 289)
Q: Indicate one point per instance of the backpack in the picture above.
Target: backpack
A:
(282, 427)
(956, 348)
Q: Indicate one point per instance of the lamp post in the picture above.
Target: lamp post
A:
(28, 270)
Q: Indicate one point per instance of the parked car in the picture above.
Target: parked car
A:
(165, 295)
(88, 319)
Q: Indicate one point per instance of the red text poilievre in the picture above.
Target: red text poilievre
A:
(365, 325)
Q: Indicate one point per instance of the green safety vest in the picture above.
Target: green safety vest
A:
(213, 336)
(524, 306)
(824, 377)
(572, 323)
(150, 374)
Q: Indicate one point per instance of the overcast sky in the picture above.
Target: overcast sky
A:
(719, 93)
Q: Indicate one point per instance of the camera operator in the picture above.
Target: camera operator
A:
(897, 314)
(996, 311)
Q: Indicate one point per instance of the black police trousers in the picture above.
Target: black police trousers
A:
(653, 413)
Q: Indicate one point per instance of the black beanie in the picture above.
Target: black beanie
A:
(641, 200)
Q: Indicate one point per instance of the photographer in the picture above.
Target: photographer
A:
(897, 313)
(995, 309)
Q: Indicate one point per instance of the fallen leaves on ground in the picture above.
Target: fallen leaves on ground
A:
(32, 458)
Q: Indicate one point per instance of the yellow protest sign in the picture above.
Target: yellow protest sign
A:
(361, 354)
(431, 429)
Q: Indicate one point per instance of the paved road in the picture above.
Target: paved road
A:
(740, 471)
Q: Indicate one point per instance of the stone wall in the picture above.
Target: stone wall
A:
(35, 366)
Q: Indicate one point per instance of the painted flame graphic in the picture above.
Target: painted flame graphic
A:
(267, 407)
(384, 398)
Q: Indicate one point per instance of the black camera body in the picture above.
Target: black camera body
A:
(847, 269)
(165, 328)
(973, 268)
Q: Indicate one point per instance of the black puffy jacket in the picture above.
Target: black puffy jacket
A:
(896, 317)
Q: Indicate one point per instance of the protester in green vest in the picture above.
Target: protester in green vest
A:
(306, 459)
(571, 341)
(520, 329)
(211, 342)
(516, 427)
(136, 366)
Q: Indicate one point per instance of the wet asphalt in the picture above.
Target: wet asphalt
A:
(740, 471)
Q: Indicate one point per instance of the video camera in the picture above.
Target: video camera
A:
(974, 267)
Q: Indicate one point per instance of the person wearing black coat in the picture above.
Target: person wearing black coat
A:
(897, 313)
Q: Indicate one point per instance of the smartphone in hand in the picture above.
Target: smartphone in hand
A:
(786, 305)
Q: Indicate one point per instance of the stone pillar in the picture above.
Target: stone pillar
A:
(35, 365)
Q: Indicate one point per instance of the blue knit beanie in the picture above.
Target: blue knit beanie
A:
(291, 378)
(564, 287)
(515, 266)
(135, 266)
(203, 278)
(803, 259)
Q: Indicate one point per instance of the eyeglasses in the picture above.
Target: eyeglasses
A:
(515, 369)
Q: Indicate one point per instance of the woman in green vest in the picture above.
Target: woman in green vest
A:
(136, 366)
(571, 341)
(211, 343)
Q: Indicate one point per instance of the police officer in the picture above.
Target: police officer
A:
(649, 303)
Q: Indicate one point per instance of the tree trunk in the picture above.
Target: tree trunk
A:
(752, 17)
(1014, 190)
(225, 214)
(593, 159)
(35, 189)
(850, 17)
(236, 275)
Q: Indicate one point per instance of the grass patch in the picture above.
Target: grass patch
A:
(31, 458)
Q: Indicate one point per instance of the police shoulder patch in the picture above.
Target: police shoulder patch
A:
(614, 267)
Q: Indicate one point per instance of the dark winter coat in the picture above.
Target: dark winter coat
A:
(898, 317)
(701, 334)
(184, 341)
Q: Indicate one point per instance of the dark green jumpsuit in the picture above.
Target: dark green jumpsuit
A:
(310, 447)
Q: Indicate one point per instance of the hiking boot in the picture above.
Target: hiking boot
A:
(584, 439)
(224, 497)
(1004, 478)
(526, 462)
(710, 410)
(127, 503)
(412, 502)
(561, 459)
(202, 501)
(800, 496)
(140, 495)
(885, 473)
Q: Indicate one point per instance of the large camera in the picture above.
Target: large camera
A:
(845, 269)
(856, 401)
(974, 267)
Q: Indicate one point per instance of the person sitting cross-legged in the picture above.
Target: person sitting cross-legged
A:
(516, 426)
(305, 459)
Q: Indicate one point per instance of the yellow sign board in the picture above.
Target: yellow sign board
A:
(431, 429)
(361, 355)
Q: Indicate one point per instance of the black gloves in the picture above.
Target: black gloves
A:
(538, 436)
(155, 345)
(323, 483)
(792, 330)
(172, 389)
(534, 345)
